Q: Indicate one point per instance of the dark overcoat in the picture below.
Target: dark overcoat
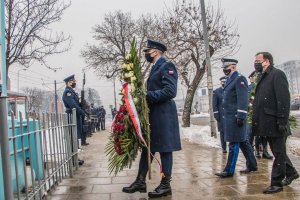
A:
(235, 104)
(71, 100)
(217, 107)
(161, 89)
(271, 104)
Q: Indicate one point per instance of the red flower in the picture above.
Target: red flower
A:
(122, 108)
(120, 117)
(118, 148)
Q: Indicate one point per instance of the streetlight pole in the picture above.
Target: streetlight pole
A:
(19, 78)
(4, 141)
(115, 98)
(209, 74)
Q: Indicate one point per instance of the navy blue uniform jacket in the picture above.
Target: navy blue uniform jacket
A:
(235, 104)
(71, 100)
(161, 89)
(217, 107)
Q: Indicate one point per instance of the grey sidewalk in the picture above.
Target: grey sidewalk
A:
(193, 177)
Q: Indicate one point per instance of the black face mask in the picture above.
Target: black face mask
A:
(226, 71)
(258, 67)
(73, 85)
(148, 57)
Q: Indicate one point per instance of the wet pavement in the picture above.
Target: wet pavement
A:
(193, 177)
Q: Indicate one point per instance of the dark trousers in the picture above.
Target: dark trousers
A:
(102, 123)
(282, 165)
(166, 162)
(223, 142)
(233, 155)
(260, 140)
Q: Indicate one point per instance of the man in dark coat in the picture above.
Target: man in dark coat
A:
(271, 111)
(71, 100)
(164, 137)
(218, 111)
(235, 105)
(259, 140)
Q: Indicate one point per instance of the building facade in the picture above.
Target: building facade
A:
(292, 71)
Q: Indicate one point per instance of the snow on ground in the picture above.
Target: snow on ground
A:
(200, 115)
(293, 145)
(199, 135)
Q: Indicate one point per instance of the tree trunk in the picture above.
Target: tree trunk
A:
(186, 115)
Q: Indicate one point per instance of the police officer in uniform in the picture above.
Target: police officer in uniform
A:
(161, 89)
(218, 111)
(235, 106)
(71, 100)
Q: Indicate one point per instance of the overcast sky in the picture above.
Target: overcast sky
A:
(264, 25)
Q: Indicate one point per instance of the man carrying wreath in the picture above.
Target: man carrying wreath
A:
(164, 136)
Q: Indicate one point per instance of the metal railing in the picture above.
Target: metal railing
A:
(43, 151)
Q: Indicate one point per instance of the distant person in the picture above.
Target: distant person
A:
(271, 109)
(102, 117)
(218, 111)
(235, 105)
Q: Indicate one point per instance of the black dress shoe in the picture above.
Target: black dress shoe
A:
(85, 144)
(80, 162)
(164, 188)
(139, 185)
(224, 151)
(257, 154)
(247, 170)
(223, 174)
(266, 155)
(272, 189)
(288, 180)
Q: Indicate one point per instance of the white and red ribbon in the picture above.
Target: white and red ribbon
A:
(130, 106)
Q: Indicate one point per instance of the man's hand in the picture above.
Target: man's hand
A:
(282, 129)
(239, 122)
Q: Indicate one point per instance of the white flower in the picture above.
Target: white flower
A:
(127, 75)
(128, 67)
(131, 74)
(250, 104)
(133, 78)
(135, 100)
(124, 65)
(252, 97)
(128, 56)
(132, 87)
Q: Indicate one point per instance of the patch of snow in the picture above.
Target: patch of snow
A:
(293, 145)
(199, 135)
(200, 115)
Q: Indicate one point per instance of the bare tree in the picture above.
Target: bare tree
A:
(184, 37)
(34, 97)
(114, 37)
(93, 96)
(29, 36)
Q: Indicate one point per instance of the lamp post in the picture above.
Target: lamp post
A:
(19, 77)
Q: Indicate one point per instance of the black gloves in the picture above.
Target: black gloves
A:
(239, 122)
(217, 117)
(282, 129)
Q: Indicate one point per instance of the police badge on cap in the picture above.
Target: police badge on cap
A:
(151, 44)
(228, 61)
(70, 78)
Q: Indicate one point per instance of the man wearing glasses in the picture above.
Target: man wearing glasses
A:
(271, 110)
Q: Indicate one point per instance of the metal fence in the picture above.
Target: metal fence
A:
(43, 151)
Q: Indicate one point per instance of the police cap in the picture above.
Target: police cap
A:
(151, 44)
(70, 78)
(228, 61)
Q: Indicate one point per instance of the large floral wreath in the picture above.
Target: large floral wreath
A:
(130, 128)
